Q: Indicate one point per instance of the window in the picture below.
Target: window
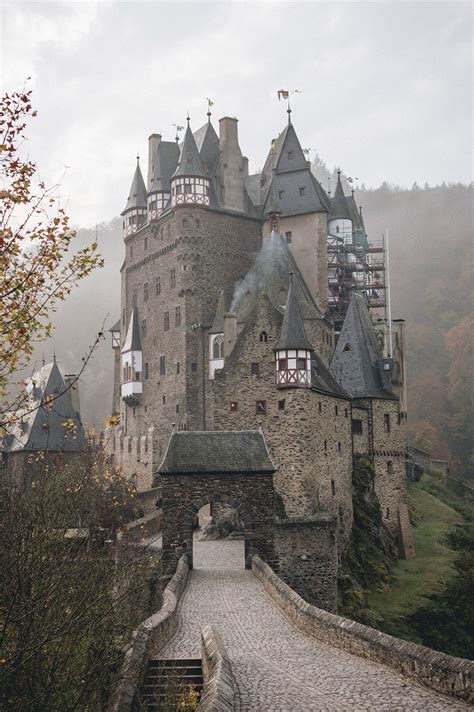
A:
(291, 155)
(162, 366)
(339, 447)
(145, 244)
(357, 426)
(178, 367)
(131, 252)
(387, 513)
(389, 467)
(282, 364)
(145, 292)
(347, 347)
(134, 297)
(281, 405)
(173, 278)
(346, 414)
(177, 407)
(143, 328)
(261, 407)
(325, 446)
(166, 321)
(194, 367)
(185, 222)
(254, 368)
(320, 407)
(336, 410)
(289, 237)
(263, 336)
(281, 193)
(233, 406)
(302, 190)
(386, 422)
(301, 364)
(177, 316)
(218, 347)
(157, 286)
(337, 228)
(198, 222)
(146, 372)
(164, 400)
(333, 487)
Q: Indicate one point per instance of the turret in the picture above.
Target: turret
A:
(189, 184)
(166, 160)
(132, 361)
(216, 338)
(273, 207)
(339, 219)
(134, 213)
(293, 350)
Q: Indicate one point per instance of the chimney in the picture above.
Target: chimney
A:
(232, 176)
(230, 333)
(245, 166)
(153, 143)
(73, 392)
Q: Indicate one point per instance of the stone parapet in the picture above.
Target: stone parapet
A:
(148, 638)
(446, 674)
(219, 690)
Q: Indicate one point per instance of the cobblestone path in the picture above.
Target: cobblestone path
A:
(276, 667)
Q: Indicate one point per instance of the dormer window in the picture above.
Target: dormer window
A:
(347, 347)
(302, 191)
(291, 155)
(281, 193)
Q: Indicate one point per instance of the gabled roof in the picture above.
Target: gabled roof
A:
(132, 340)
(292, 332)
(49, 420)
(137, 195)
(195, 452)
(167, 157)
(218, 325)
(322, 379)
(269, 275)
(190, 161)
(339, 206)
(357, 361)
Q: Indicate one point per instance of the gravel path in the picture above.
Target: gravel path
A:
(276, 667)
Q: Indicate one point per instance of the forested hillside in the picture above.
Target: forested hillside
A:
(430, 238)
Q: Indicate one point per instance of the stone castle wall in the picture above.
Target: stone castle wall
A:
(308, 433)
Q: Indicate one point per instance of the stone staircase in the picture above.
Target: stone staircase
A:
(166, 680)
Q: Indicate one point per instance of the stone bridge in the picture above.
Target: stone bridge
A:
(276, 666)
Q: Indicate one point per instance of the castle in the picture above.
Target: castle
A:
(245, 304)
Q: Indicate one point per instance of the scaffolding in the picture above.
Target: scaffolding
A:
(357, 266)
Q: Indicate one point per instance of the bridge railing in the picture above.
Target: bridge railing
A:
(441, 672)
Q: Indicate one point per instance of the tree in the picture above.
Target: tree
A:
(37, 267)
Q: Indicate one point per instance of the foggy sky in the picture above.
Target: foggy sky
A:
(386, 87)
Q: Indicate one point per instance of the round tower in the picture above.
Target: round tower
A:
(293, 350)
(339, 219)
(135, 212)
(189, 184)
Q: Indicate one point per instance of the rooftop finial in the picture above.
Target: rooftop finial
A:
(188, 118)
(138, 157)
(291, 273)
(54, 355)
(288, 111)
(209, 104)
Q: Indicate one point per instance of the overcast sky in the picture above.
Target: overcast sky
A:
(386, 86)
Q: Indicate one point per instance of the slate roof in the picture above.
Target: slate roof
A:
(190, 163)
(323, 380)
(357, 222)
(132, 340)
(292, 332)
(339, 206)
(115, 327)
(207, 142)
(194, 452)
(269, 275)
(167, 157)
(359, 369)
(286, 176)
(137, 195)
(42, 425)
(218, 325)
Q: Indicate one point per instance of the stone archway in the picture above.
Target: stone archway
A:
(214, 499)
(230, 467)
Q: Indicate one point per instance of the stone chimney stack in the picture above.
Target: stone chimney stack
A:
(245, 166)
(231, 168)
(230, 333)
(153, 143)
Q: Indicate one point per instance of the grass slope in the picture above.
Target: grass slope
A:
(416, 579)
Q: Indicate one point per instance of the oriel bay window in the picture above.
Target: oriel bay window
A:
(293, 368)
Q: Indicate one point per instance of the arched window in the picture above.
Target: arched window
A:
(218, 347)
(263, 337)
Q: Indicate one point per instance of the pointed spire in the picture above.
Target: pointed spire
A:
(190, 163)
(340, 208)
(137, 194)
(218, 325)
(133, 341)
(292, 333)
(273, 206)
